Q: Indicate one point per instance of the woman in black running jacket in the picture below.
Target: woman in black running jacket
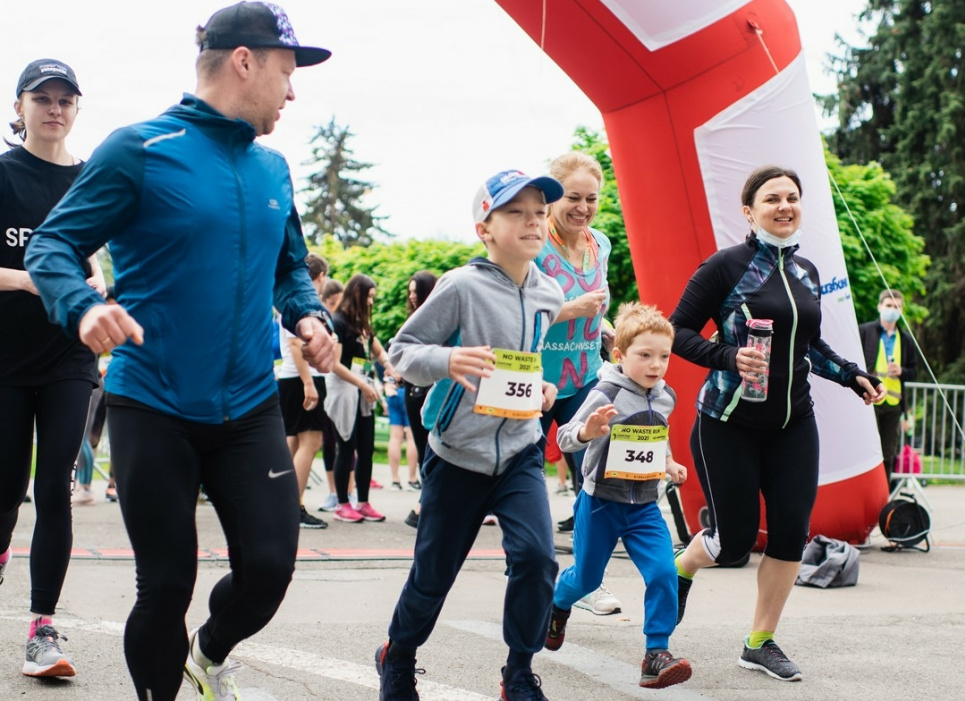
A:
(744, 449)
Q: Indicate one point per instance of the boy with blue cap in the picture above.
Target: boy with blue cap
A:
(478, 337)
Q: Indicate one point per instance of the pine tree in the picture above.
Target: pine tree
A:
(335, 191)
(901, 101)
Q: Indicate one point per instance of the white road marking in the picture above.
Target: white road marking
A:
(296, 660)
(602, 669)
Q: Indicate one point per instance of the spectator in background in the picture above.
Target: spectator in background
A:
(352, 395)
(420, 286)
(301, 392)
(889, 353)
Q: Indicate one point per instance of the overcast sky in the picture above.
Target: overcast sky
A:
(440, 94)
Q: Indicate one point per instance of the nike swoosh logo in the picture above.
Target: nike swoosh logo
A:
(274, 475)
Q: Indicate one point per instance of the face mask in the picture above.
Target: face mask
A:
(777, 241)
(890, 316)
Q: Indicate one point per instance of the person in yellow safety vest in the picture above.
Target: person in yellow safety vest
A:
(890, 354)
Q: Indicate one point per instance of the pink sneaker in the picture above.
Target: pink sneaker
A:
(374, 485)
(346, 513)
(368, 513)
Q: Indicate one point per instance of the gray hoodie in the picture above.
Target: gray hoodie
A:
(634, 405)
(475, 305)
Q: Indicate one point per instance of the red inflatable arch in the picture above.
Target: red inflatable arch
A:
(694, 95)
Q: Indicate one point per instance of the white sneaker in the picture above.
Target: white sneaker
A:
(601, 602)
(217, 682)
(82, 495)
(330, 503)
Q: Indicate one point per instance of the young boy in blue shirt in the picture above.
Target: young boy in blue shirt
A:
(478, 337)
(623, 426)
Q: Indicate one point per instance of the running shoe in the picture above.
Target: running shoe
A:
(397, 680)
(396, 486)
(771, 660)
(490, 520)
(565, 526)
(557, 632)
(374, 485)
(563, 490)
(111, 493)
(601, 602)
(306, 520)
(683, 591)
(412, 519)
(367, 512)
(521, 685)
(9, 554)
(346, 513)
(82, 496)
(661, 669)
(45, 658)
(330, 503)
(217, 682)
(416, 485)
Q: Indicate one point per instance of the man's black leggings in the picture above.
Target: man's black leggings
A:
(737, 465)
(160, 462)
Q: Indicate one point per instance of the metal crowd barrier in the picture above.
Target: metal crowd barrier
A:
(936, 415)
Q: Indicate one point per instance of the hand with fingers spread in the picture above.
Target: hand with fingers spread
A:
(106, 326)
(597, 424)
(475, 361)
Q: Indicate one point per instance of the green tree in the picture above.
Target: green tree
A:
(887, 230)
(609, 220)
(335, 192)
(901, 102)
(392, 266)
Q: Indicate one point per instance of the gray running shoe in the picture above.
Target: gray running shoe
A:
(771, 660)
(44, 656)
(661, 669)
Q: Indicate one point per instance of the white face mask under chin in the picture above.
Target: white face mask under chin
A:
(777, 241)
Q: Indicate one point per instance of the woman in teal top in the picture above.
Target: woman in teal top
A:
(576, 257)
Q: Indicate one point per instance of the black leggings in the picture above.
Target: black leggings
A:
(355, 453)
(60, 412)
(413, 412)
(248, 474)
(736, 465)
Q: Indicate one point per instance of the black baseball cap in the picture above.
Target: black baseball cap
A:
(257, 25)
(40, 71)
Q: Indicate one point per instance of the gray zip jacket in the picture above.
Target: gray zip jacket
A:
(636, 406)
(475, 305)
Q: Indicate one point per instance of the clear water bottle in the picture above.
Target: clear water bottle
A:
(759, 334)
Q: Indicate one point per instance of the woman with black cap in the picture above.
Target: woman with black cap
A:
(46, 377)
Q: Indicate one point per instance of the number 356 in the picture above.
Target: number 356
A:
(519, 389)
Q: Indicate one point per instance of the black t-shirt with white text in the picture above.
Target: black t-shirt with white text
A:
(32, 349)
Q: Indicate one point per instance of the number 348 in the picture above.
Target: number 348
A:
(639, 456)
(519, 389)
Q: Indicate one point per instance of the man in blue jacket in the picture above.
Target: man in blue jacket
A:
(205, 239)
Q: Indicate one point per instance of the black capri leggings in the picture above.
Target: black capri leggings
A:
(248, 474)
(738, 464)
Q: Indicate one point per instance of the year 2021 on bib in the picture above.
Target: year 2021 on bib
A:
(637, 452)
(515, 389)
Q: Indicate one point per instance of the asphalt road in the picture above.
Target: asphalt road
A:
(899, 634)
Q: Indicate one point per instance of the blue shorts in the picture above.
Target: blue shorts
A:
(397, 415)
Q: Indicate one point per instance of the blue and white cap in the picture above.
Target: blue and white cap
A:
(505, 185)
(257, 25)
